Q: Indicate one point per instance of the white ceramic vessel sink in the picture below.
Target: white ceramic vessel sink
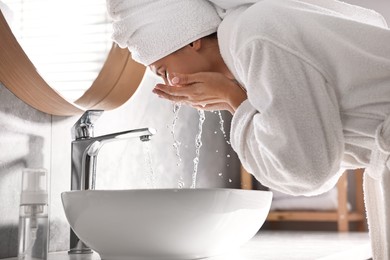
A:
(165, 223)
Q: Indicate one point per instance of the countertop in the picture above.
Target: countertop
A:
(283, 245)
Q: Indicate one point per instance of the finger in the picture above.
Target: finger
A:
(164, 95)
(175, 90)
(185, 79)
(207, 107)
(199, 107)
(212, 106)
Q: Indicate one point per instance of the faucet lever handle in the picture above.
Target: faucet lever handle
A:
(84, 127)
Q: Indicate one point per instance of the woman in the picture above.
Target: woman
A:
(307, 82)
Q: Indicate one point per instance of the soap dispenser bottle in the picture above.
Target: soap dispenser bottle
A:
(33, 215)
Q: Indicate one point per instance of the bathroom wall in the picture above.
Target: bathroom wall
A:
(25, 141)
(29, 138)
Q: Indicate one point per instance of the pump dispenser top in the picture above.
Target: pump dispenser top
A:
(34, 190)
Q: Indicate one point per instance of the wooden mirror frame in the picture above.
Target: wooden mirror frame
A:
(116, 83)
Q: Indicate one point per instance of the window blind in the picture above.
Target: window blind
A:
(67, 40)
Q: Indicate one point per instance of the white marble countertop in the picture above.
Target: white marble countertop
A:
(282, 245)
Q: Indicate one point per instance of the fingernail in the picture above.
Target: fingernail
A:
(175, 80)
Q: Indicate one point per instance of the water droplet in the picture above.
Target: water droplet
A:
(227, 165)
(228, 156)
(220, 174)
(215, 132)
(180, 183)
(230, 180)
(216, 151)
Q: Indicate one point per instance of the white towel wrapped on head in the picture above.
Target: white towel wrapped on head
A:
(153, 29)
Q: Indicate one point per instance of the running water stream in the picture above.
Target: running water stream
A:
(198, 144)
(221, 121)
(176, 146)
(151, 178)
(176, 143)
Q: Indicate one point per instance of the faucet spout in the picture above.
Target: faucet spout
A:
(94, 144)
(143, 133)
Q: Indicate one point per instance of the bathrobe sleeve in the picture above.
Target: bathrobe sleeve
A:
(288, 132)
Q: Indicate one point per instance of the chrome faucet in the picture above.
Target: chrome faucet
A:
(85, 149)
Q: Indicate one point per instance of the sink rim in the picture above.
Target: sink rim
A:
(169, 189)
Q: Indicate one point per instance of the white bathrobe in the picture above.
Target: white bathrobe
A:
(317, 74)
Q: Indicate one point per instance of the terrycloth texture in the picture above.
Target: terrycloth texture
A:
(153, 29)
(223, 7)
(317, 74)
(312, 103)
(232, 4)
(377, 192)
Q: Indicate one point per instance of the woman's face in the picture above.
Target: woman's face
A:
(186, 60)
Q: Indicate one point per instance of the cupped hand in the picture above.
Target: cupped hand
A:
(203, 90)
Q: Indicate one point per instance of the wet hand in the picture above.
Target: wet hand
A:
(203, 90)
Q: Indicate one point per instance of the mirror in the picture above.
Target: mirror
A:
(67, 45)
(65, 55)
